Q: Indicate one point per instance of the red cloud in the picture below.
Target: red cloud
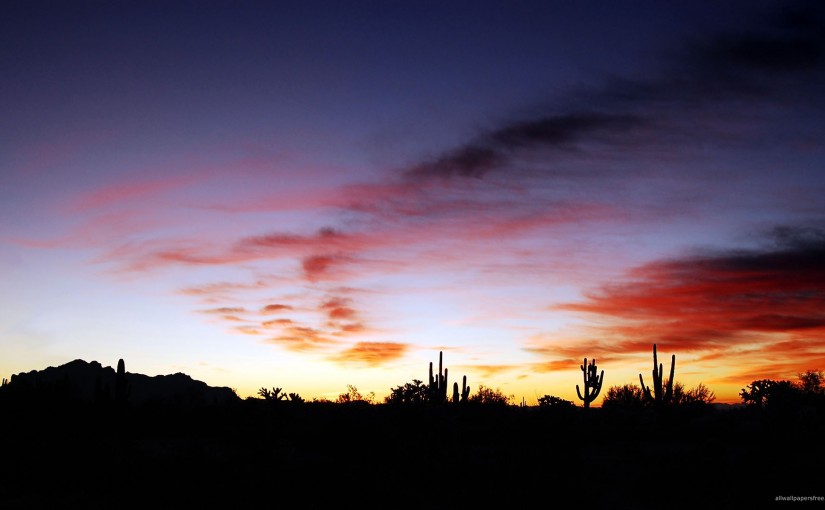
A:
(720, 304)
(276, 308)
(318, 267)
(339, 309)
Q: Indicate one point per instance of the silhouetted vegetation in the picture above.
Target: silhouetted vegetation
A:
(592, 383)
(193, 445)
(662, 388)
(411, 393)
(353, 396)
(465, 391)
(803, 399)
(553, 402)
(491, 397)
(626, 396)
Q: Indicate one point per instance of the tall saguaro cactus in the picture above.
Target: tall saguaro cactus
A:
(465, 391)
(592, 383)
(438, 384)
(662, 392)
(121, 386)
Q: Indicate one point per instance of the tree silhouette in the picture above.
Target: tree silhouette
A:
(414, 393)
(811, 381)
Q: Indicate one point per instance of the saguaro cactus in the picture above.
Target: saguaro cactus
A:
(592, 383)
(121, 386)
(465, 391)
(438, 384)
(662, 393)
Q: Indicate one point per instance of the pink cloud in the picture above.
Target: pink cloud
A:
(129, 193)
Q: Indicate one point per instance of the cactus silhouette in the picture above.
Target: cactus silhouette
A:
(592, 383)
(662, 392)
(275, 395)
(465, 391)
(438, 384)
(122, 389)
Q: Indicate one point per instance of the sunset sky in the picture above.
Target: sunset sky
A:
(310, 195)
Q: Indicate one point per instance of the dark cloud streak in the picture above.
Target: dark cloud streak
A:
(780, 61)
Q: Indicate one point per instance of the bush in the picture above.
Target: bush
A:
(551, 402)
(489, 396)
(414, 393)
(353, 395)
(626, 396)
(700, 395)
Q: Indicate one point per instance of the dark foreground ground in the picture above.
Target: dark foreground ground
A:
(257, 454)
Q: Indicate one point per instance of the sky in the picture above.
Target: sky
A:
(311, 195)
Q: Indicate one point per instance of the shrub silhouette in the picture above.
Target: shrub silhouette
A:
(553, 402)
(627, 396)
(489, 396)
(414, 393)
(758, 393)
(353, 395)
(784, 396)
(698, 395)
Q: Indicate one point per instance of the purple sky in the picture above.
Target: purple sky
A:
(314, 194)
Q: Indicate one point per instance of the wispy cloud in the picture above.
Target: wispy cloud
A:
(224, 310)
(371, 353)
(302, 339)
(130, 193)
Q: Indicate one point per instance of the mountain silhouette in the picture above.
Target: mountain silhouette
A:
(85, 382)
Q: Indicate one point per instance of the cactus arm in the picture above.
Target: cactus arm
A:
(645, 389)
(669, 391)
(662, 392)
(597, 387)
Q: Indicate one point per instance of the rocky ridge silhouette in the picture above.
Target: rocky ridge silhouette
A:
(90, 382)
